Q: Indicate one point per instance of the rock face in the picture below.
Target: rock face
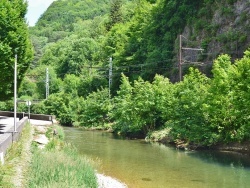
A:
(225, 31)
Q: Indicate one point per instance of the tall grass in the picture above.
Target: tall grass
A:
(60, 167)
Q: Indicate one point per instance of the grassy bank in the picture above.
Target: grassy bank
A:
(57, 165)
(62, 168)
(16, 161)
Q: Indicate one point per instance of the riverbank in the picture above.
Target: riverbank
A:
(32, 161)
(163, 136)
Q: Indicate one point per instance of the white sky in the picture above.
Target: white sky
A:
(35, 9)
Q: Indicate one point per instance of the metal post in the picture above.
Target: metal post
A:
(15, 92)
(29, 111)
(47, 83)
(110, 75)
(180, 60)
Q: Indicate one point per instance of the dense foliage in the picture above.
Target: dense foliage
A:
(75, 40)
(198, 110)
(14, 40)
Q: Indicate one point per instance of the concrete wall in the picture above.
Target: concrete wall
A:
(7, 138)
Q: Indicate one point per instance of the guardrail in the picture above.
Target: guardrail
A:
(20, 115)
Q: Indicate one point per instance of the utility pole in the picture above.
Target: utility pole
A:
(47, 83)
(15, 92)
(180, 55)
(110, 75)
(180, 59)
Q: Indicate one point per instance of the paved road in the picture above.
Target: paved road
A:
(7, 123)
(7, 126)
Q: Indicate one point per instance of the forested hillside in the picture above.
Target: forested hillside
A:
(143, 36)
(75, 40)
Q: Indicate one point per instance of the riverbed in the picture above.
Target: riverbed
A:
(140, 164)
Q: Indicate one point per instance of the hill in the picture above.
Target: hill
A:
(146, 39)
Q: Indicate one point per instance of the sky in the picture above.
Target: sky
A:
(35, 9)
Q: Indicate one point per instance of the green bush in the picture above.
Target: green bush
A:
(58, 105)
(94, 109)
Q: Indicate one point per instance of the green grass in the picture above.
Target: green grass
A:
(63, 168)
(60, 165)
(14, 156)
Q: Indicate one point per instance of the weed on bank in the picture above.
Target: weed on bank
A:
(59, 165)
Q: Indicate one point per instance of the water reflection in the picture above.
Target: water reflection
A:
(229, 159)
(151, 165)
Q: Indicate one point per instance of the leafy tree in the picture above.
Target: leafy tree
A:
(165, 100)
(14, 39)
(58, 104)
(122, 112)
(188, 119)
(72, 55)
(34, 83)
(95, 109)
(240, 99)
(219, 105)
(91, 84)
(71, 84)
(228, 110)
(115, 15)
(38, 44)
(28, 88)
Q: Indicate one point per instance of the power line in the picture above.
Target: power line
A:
(187, 55)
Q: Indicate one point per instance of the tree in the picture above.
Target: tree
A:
(115, 15)
(14, 39)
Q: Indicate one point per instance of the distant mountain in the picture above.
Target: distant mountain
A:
(62, 14)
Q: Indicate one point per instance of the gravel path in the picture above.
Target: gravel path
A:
(19, 180)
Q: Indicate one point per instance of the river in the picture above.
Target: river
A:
(152, 165)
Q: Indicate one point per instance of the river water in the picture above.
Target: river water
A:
(151, 165)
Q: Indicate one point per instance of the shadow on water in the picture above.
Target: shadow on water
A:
(228, 159)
